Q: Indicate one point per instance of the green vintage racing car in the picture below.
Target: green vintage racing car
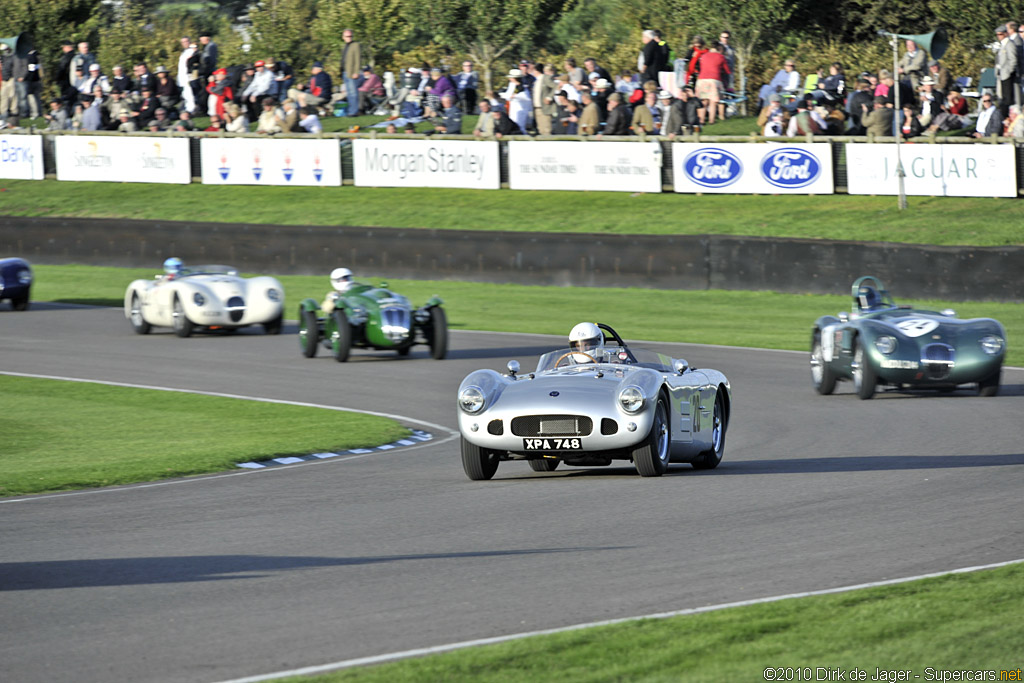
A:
(372, 317)
(880, 343)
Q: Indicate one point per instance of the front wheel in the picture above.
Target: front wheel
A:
(274, 326)
(139, 324)
(20, 304)
(651, 456)
(341, 336)
(182, 325)
(710, 458)
(544, 464)
(478, 463)
(822, 377)
(990, 386)
(438, 333)
(309, 332)
(864, 377)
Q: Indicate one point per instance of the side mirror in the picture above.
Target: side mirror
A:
(844, 317)
(513, 368)
(948, 312)
(680, 366)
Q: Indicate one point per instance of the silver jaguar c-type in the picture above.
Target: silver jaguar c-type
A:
(590, 408)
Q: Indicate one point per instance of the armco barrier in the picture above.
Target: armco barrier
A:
(681, 262)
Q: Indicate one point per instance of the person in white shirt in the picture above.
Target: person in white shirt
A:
(188, 51)
(310, 122)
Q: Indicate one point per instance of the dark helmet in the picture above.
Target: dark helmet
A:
(868, 298)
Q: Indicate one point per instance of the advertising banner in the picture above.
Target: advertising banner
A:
(737, 168)
(427, 163)
(21, 157)
(564, 165)
(120, 159)
(265, 161)
(975, 170)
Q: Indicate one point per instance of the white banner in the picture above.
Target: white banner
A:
(427, 163)
(120, 159)
(737, 168)
(21, 156)
(266, 161)
(621, 166)
(976, 170)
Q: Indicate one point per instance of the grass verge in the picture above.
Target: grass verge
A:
(929, 220)
(951, 623)
(757, 319)
(59, 435)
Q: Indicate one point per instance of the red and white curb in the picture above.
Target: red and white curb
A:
(417, 437)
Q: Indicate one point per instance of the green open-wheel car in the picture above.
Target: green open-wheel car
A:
(359, 315)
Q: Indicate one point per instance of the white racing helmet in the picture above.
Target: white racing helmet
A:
(341, 279)
(587, 338)
(173, 265)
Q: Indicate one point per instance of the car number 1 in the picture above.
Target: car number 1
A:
(552, 444)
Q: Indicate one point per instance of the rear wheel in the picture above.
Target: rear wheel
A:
(821, 374)
(478, 463)
(182, 325)
(544, 464)
(341, 336)
(990, 387)
(139, 324)
(309, 332)
(404, 351)
(710, 458)
(651, 457)
(438, 333)
(20, 304)
(864, 377)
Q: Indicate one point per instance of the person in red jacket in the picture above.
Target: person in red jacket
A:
(712, 73)
(220, 92)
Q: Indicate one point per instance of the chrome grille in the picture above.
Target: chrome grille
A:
(236, 308)
(552, 425)
(394, 322)
(938, 360)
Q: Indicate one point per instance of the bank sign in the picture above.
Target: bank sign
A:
(21, 157)
(426, 163)
(753, 168)
(952, 170)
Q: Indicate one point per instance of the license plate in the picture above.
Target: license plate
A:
(553, 444)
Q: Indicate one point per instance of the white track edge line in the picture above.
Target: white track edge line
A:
(437, 649)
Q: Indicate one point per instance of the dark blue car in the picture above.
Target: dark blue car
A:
(15, 282)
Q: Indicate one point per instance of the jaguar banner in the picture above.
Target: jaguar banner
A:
(951, 170)
(264, 161)
(737, 168)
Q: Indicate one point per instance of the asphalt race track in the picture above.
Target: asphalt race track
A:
(221, 577)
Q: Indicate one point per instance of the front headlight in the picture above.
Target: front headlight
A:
(273, 295)
(991, 344)
(24, 276)
(886, 344)
(199, 299)
(471, 399)
(631, 399)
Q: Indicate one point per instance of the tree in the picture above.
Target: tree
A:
(281, 29)
(484, 30)
(379, 25)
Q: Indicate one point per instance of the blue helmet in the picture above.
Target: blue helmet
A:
(173, 265)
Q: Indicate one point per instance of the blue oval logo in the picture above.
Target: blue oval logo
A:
(712, 167)
(553, 393)
(790, 167)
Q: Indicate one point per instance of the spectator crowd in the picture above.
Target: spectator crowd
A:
(668, 94)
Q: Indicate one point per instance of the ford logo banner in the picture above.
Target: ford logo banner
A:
(790, 167)
(713, 167)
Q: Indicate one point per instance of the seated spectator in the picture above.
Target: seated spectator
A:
(590, 120)
(785, 83)
(440, 85)
(317, 92)
(989, 122)
(1015, 123)
(410, 129)
(391, 128)
(576, 73)
(92, 113)
(220, 92)
(503, 125)
(143, 78)
(309, 122)
(371, 91)
(805, 121)
(767, 114)
(259, 87)
(592, 67)
(879, 120)
(484, 127)
(929, 100)
(940, 74)
(288, 116)
(571, 119)
(811, 81)
(466, 83)
(859, 100)
(284, 78)
(121, 80)
(834, 116)
(94, 79)
(167, 91)
(145, 109)
(884, 87)
(450, 120)
(57, 118)
(562, 83)
(76, 116)
(833, 86)
(116, 103)
(125, 123)
(646, 116)
(161, 120)
(910, 123)
(683, 117)
(618, 116)
(215, 124)
(268, 122)
(235, 119)
(184, 124)
(626, 83)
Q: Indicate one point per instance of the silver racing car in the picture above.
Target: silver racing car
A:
(597, 401)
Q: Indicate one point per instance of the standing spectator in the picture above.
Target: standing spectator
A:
(65, 74)
(526, 66)
(258, 88)
(653, 56)
(625, 83)
(269, 120)
(188, 71)
(317, 92)
(371, 91)
(590, 119)
(989, 122)
(785, 82)
(120, 80)
(466, 83)
(57, 118)
(571, 120)
(310, 123)
(940, 74)
(518, 98)
(208, 56)
(1016, 37)
(729, 53)
(563, 85)
(30, 86)
(450, 120)
(284, 77)
(618, 116)
(858, 101)
(712, 70)
(484, 127)
(697, 49)
(9, 65)
(244, 79)
(543, 96)
(351, 62)
(1007, 80)
(592, 67)
(575, 73)
(83, 59)
(913, 64)
(878, 121)
(167, 91)
(220, 92)
(144, 78)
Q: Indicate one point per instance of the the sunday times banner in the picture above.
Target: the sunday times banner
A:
(953, 170)
(564, 165)
(426, 163)
(21, 156)
(737, 168)
(120, 159)
(265, 161)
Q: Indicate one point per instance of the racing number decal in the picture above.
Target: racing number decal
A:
(916, 327)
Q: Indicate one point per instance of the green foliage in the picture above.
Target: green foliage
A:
(379, 27)
(280, 28)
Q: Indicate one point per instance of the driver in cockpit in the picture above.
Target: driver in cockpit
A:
(587, 341)
(868, 299)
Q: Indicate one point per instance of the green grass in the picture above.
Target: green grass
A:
(929, 220)
(60, 435)
(963, 621)
(757, 319)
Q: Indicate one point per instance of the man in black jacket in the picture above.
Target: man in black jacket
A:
(618, 116)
